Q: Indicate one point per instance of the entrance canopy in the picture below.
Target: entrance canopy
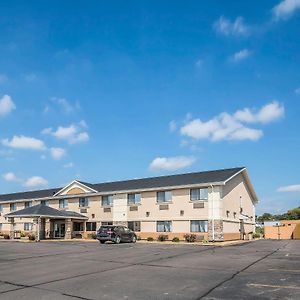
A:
(43, 211)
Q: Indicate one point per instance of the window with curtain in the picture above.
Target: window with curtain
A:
(164, 226)
(164, 196)
(199, 194)
(27, 226)
(28, 204)
(63, 203)
(199, 226)
(91, 226)
(107, 200)
(45, 202)
(13, 206)
(83, 202)
(134, 198)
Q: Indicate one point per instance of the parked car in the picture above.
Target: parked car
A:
(116, 234)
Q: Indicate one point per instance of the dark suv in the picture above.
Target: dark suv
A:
(116, 234)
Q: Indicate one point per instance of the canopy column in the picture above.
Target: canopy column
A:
(68, 233)
(11, 228)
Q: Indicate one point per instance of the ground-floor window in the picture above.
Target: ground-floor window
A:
(134, 225)
(106, 223)
(164, 226)
(78, 226)
(0, 226)
(91, 226)
(27, 226)
(199, 226)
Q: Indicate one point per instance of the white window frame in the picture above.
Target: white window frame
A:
(200, 196)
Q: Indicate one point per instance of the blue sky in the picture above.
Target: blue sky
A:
(102, 91)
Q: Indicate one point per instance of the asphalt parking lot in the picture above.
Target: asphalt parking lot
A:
(78, 270)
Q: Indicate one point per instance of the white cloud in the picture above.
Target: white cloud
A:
(231, 127)
(35, 181)
(69, 165)
(171, 163)
(285, 9)
(172, 126)
(10, 176)
(268, 113)
(83, 124)
(57, 153)
(241, 55)
(24, 142)
(6, 105)
(231, 28)
(289, 188)
(297, 91)
(72, 134)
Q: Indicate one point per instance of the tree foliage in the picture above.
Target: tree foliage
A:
(292, 214)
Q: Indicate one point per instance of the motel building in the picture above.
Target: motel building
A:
(214, 205)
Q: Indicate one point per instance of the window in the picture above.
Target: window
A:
(107, 200)
(199, 226)
(91, 226)
(164, 226)
(165, 196)
(13, 206)
(0, 226)
(27, 226)
(14, 227)
(83, 202)
(106, 223)
(199, 194)
(134, 225)
(45, 202)
(1, 208)
(78, 226)
(28, 204)
(63, 203)
(134, 198)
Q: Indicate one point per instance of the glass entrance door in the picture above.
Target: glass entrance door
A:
(59, 229)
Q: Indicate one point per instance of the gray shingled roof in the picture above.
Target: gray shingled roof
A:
(137, 184)
(41, 210)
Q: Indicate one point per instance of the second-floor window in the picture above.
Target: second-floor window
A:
(28, 204)
(107, 200)
(63, 203)
(134, 198)
(83, 202)
(45, 202)
(13, 206)
(165, 196)
(199, 194)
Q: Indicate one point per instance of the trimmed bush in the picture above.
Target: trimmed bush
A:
(190, 238)
(150, 239)
(175, 239)
(31, 237)
(138, 238)
(6, 236)
(256, 235)
(162, 237)
(23, 234)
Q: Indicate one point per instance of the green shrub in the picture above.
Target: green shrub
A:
(150, 239)
(31, 237)
(93, 236)
(175, 239)
(256, 235)
(138, 237)
(23, 234)
(6, 236)
(162, 237)
(190, 238)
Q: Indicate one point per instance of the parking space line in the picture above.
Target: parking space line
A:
(274, 286)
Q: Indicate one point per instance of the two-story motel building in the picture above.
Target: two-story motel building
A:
(215, 205)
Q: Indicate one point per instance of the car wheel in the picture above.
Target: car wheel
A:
(102, 242)
(133, 239)
(117, 240)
